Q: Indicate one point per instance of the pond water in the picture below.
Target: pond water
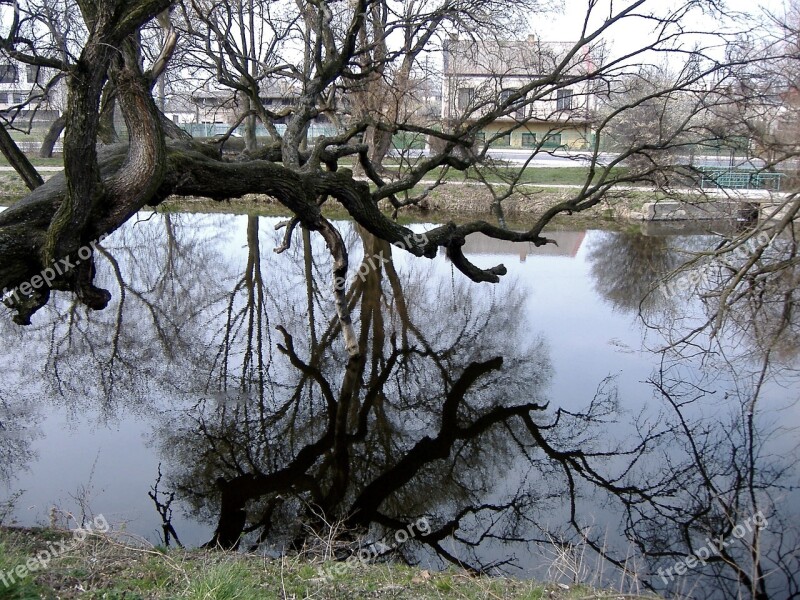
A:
(493, 423)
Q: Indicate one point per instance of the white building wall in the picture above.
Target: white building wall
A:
(21, 82)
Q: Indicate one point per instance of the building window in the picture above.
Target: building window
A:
(8, 73)
(520, 104)
(552, 140)
(528, 140)
(480, 137)
(466, 96)
(564, 99)
(18, 98)
(505, 95)
(503, 140)
(32, 73)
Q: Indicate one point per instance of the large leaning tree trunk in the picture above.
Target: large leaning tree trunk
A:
(49, 234)
(110, 35)
(55, 222)
(148, 171)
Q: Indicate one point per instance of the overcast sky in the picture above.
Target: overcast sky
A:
(632, 33)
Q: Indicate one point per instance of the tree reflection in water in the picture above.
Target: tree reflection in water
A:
(442, 402)
(627, 267)
(271, 433)
(729, 348)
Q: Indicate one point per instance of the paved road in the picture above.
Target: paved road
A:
(40, 169)
(562, 158)
(555, 159)
(571, 159)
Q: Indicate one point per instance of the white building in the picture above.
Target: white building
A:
(479, 75)
(23, 92)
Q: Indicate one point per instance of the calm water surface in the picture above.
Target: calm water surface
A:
(219, 363)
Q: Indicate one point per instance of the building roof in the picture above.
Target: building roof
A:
(511, 58)
(179, 104)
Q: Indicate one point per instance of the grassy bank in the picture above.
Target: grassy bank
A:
(457, 203)
(456, 182)
(11, 188)
(448, 202)
(264, 207)
(454, 200)
(119, 566)
(506, 174)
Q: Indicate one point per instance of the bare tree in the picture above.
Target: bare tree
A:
(41, 37)
(330, 53)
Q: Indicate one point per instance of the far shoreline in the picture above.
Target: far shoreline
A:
(620, 209)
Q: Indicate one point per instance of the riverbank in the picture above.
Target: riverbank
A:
(453, 196)
(267, 207)
(116, 566)
(469, 200)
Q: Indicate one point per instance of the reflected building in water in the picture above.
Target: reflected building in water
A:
(568, 243)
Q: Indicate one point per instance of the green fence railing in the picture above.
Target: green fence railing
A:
(741, 179)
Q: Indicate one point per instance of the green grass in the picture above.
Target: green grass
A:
(268, 208)
(550, 175)
(533, 175)
(11, 186)
(536, 175)
(123, 567)
(224, 582)
(543, 176)
(37, 162)
(14, 588)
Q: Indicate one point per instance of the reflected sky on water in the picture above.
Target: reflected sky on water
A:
(220, 360)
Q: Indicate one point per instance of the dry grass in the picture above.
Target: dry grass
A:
(120, 566)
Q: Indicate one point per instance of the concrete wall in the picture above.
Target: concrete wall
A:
(710, 209)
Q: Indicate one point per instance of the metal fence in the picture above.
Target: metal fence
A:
(740, 179)
(32, 147)
(315, 130)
